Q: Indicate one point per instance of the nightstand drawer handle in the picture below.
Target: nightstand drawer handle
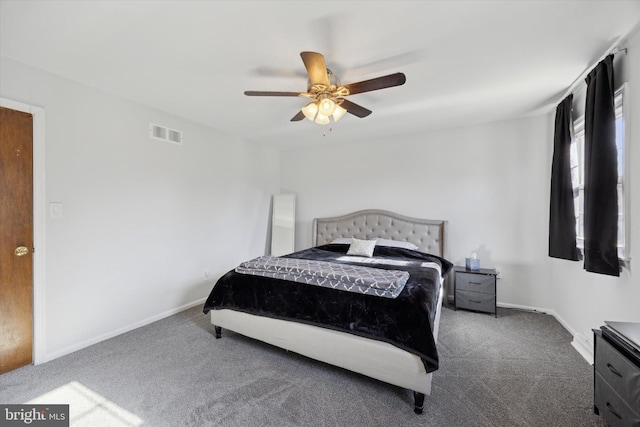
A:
(475, 283)
(477, 302)
(610, 408)
(614, 370)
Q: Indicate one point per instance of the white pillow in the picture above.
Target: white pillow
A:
(361, 247)
(396, 244)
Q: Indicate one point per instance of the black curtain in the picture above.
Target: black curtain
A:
(601, 173)
(562, 219)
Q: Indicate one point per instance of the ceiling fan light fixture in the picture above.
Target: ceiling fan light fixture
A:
(314, 112)
(310, 111)
(338, 113)
(326, 106)
(321, 119)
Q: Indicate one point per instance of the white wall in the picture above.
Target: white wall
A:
(143, 220)
(489, 182)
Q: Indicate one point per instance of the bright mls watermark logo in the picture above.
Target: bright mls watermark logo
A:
(34, 415)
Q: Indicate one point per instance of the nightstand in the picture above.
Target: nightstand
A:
(617, 373)
(475, 290)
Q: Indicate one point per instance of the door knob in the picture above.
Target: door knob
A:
(21, 251)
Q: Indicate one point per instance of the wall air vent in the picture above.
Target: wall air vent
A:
(165, 134)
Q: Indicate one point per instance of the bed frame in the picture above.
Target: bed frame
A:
(375, 359)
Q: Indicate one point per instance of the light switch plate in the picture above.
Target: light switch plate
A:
(55, 210)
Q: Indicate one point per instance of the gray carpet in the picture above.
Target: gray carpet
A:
(516, 370)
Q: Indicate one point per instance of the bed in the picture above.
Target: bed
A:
(373, 347)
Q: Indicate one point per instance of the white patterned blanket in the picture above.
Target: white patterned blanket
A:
(352, 278)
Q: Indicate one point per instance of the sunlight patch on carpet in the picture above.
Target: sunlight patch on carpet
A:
(88, 408)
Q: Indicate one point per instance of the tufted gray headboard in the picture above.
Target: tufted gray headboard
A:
(428, 235)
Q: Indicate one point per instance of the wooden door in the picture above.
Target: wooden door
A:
(16, 239)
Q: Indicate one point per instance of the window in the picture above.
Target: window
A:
(577, 177)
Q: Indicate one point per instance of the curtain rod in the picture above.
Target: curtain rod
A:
(613, 50)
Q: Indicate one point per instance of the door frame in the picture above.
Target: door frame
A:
(39, 225)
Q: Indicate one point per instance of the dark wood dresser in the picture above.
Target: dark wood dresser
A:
(617, 373)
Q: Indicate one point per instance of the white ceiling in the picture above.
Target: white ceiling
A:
(465, 61)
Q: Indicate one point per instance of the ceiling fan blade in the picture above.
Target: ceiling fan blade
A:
(355, 109)
(266, 93)
(316, 68)
(298, 117)
(383, 82)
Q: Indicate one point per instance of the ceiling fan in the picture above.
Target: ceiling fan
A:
(328, 95)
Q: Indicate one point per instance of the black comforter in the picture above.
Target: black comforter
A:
(405, 321)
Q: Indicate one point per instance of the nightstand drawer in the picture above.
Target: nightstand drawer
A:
(476, 282)
(619, 372)
(476, 301)
(611, 406)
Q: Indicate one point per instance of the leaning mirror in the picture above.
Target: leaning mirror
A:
(283, 224)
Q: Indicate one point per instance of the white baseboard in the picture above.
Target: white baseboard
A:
(581, 343)
(103, 337)
(583, 346)
(527, 308)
